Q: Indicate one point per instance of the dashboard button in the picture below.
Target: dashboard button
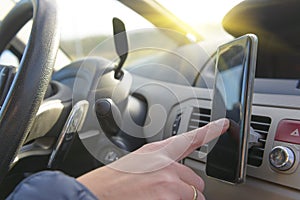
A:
(282, 158)
(288, 131)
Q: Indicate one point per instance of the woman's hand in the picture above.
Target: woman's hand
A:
(152, 172)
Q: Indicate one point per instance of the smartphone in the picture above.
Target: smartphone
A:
(232, 98)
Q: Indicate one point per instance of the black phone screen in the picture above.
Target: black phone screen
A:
(234, 79)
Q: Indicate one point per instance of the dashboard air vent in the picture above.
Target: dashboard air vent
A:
(260, 124)
(199, 117)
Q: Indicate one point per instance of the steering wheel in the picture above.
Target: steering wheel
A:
(27, 89)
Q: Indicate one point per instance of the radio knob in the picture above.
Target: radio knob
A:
(282, 158)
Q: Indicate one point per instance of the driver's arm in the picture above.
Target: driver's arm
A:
(151, 172)
(49, 185)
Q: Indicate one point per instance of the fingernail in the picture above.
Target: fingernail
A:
(222, 122)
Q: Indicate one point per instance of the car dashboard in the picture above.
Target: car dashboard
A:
(179, 100)
(192, 109)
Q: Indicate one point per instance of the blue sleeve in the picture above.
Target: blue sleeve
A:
(49, 185)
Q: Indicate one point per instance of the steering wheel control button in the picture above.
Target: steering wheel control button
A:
(288, 131)
(282, 158)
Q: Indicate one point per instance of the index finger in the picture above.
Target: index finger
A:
(184, 144)
(157, 155)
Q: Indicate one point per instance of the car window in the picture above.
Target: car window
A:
(85, 24)
(5, 7)
(9, 58)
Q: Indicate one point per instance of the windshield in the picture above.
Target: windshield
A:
(94, 17)
(87, 23)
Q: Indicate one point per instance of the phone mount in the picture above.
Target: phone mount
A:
(254, 138)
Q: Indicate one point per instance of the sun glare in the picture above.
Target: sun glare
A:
(203, 15)
(199, 12)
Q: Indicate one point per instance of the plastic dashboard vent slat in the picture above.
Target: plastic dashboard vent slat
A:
(199, 117)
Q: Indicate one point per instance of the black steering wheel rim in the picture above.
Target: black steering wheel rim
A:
(34, 73)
